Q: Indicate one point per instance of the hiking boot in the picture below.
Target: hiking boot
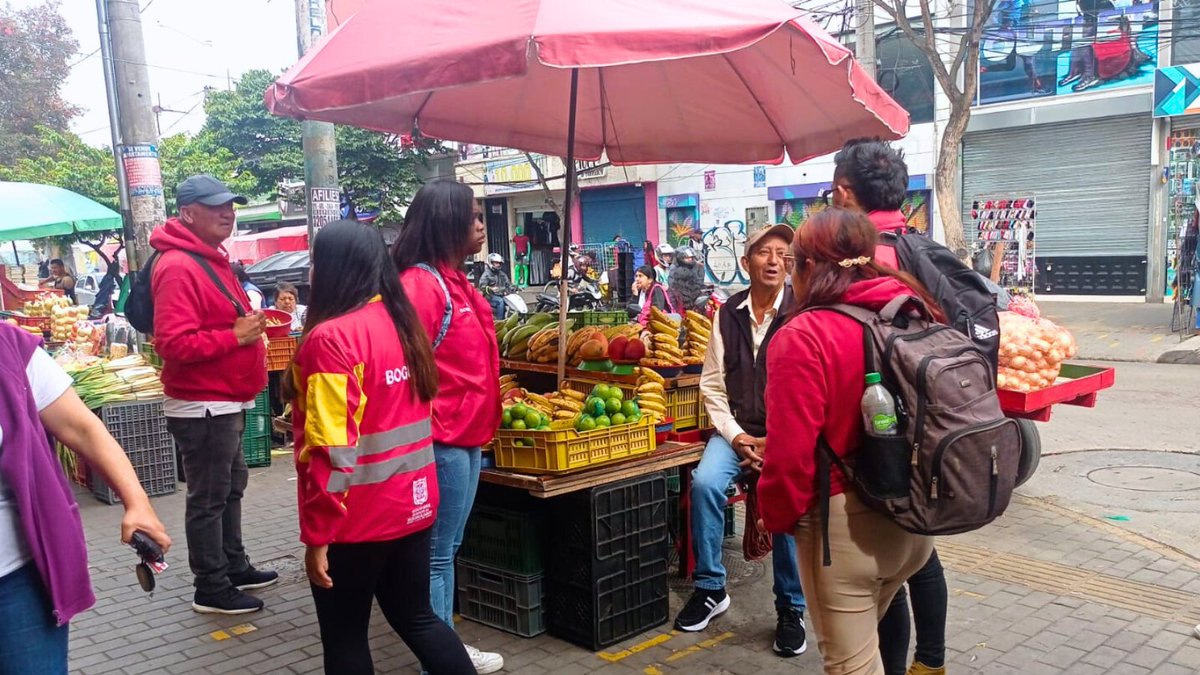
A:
(484, 662)
(701, 608)
(790, 639)
(229, 601)
(252, 579)
(918, 668)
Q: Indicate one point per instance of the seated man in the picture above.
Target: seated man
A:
(732, 386)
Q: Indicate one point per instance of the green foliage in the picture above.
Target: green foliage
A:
(36, 47)
(182, 155)
(66, 161)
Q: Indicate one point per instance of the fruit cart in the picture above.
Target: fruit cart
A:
(1077, 385)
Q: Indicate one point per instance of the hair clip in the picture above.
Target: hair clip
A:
(851, 262)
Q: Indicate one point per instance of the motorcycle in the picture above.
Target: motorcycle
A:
(584, 296)
(711, 300)
(512, 302)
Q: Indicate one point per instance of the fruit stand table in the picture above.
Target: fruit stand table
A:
(666, 456)
(552, 369)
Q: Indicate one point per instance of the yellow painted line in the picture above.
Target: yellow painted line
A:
(240, 629)
(613, 657)
(699, 646)
(969, 594)
(651, 670)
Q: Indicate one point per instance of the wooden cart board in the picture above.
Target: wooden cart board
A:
(1077, 384)
(668, 455)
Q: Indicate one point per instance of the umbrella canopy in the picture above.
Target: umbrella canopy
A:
(33, 211)
(705, 81)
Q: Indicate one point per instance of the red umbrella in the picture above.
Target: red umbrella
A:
(645, 81)
(659, 80)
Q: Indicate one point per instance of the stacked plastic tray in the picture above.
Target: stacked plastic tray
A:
(141, 429)
(499, 579)
(256, 439)
(606, 575)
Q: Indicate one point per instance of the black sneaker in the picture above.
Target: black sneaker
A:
(229, 601)
(790, 639)
(252, 579)
(702, 607)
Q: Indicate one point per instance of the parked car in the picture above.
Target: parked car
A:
(290, 266)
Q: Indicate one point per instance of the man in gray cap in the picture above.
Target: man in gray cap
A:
(214, 365)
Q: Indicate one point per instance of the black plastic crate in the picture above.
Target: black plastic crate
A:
(134, 418)
(154, 464)
(504, 539)
(500, 599)
(606, 570)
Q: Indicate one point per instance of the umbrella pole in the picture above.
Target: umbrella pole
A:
(563, 294)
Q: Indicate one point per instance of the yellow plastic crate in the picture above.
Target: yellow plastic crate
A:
(569, 450)
(585, 386)
(683, 404)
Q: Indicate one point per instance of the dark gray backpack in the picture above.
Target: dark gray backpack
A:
(954, 464)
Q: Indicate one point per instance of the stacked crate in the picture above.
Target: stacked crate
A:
(500, 569)
(141, 429)
(256, 439)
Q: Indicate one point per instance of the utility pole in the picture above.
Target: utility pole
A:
(320, 148)
(137, 153)
(114, 116)
(864, 35)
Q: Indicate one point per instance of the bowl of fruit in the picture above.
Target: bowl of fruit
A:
(279, 323)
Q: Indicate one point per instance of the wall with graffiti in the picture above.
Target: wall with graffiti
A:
(795, 211)
(723, 247)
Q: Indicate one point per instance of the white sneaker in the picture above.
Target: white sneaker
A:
(485, 662)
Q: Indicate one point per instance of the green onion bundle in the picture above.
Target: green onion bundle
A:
(124, 379)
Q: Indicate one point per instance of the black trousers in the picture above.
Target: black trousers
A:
(211, 449)
(396, 573)
(928, 590)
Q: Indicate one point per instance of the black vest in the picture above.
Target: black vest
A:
(745, 376)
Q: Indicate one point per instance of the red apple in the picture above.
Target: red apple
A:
(616, 347)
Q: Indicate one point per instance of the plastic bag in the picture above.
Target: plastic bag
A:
(1031, 352)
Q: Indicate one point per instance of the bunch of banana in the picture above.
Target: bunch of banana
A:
(507, 384)
(543, 345)
(651, 394)
(541, 403)
(699, 330)
(516, 342)
(664, 348)
(630, 331)
(566, 404)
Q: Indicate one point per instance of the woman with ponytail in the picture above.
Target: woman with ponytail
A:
(814, 385)
(367, 485)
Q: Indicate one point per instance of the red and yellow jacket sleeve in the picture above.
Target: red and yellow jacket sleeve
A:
(331, 405)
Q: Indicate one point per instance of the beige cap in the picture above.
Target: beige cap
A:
(757, 236)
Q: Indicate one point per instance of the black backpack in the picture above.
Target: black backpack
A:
(139, 306)
(962, 294)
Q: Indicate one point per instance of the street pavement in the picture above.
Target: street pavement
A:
(1094, 569)
(1139, 332)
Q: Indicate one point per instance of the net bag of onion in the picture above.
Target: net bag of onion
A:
(1031, 352)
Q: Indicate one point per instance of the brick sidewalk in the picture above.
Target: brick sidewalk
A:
(1041, 591)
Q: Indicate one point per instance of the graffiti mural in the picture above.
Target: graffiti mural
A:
(681, 223)
(795, 211)
(723, 247)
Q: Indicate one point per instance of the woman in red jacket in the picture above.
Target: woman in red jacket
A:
(814, 389)
(442, 228)
(367, 486)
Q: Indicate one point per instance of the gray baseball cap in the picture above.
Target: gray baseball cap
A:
(205, 190)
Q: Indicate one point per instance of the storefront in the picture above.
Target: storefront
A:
(795, 204)
(1090, 180)
(1177, 98)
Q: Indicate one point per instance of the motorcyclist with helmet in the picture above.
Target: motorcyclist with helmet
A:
(495, 284)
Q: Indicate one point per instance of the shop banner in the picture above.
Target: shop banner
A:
(1007, 226)
(325, 204)
(1177, 91)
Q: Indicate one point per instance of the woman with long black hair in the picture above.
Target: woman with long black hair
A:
(368, 491)
(443, 227)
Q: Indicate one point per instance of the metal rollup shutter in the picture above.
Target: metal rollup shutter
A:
(1090, 180)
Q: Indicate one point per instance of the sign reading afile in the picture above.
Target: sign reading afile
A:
(325, 206)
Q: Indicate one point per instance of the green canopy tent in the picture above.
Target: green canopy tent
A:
(33, 211)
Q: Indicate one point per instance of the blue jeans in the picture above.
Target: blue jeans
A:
(497, 303)
(718, 468)
(30, 642)
(458, 478)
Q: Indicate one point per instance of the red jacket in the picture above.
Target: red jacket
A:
(193, 323)
(364, 451)
(815, 388)
(466, 412)
(888, 221)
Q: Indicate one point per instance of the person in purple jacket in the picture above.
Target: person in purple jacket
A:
(43, 556)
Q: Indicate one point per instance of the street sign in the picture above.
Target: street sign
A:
(325, 206)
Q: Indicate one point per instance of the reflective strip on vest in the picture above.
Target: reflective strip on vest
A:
(379, 472)
(383, 441)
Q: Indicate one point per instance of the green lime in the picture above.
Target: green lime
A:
(519, 411)
(545, 421)
(587, 404)
(587, 424)
(518, 425)
(612, 405)
(603, 421)
(634, 419)
(618, 419)
(598, 391)
(506, 419)
(533, 419)
(615, 392)
(598, 408)
(629, 408)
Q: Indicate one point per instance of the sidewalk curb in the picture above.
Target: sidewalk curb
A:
(1187, 353)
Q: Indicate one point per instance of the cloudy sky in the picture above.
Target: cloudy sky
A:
(190, 44)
